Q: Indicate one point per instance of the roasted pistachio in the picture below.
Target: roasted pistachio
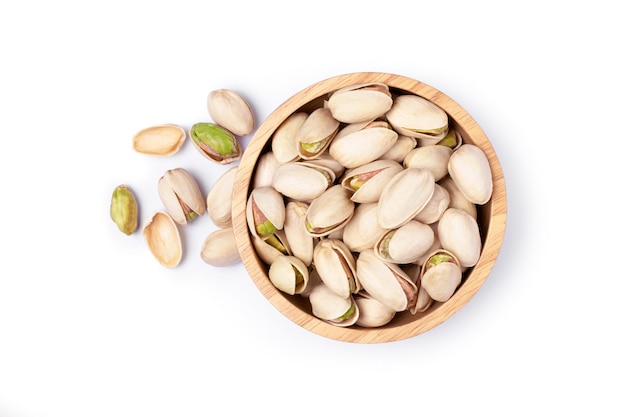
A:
(181, 195)
(231, 111)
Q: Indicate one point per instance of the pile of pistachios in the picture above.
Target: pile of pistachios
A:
(179, 191)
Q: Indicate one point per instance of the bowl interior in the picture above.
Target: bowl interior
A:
(491, 216)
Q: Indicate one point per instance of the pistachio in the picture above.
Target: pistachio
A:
(219, 200)
(163, 239)
(215, 143)
(360, 103)
(333, 308)
(265, 212)
(289, 274)
(469, 168)
(231, 111)
(284, 143)
(220, 248)
(414, 116)
(181, 195)
(316, 133)
(124, 210)
(161, 140)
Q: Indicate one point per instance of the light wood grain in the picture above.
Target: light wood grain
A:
(492, 216)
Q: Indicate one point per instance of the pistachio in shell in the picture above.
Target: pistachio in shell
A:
(181, 195)
(289, 274)
(265, 212)
(333, 308)
(404, 196)
(220, 248)
(372, 313)
(219, 200)
(329, 212)
(414, 116)
(459, 233)
(284, 139)
(231, 111)
(441, 275)
(360, 102)
(316, 133)
(469, 168)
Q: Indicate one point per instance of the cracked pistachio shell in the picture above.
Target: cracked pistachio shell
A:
(230, 110)
(302, 181)
(372, 313)
(385, 281)
(316, 133)
(458, 233)
(220, 248)
(434, 209)
(265, 212)
(367, 181)
(289, 274)
(163, 239)
(405, 244)
(181, 195)
(301, 243)
(360, 103)
(400, 149)
(441, 275)
(329, 212)
(124, 209)
(215, 143)
(469, 168)
(404, 196)
(336, 266)
(457, 199)
(219, 201)
(433, 157)
(161, 140)
(332, 308)
(360, 143)
(284, 140)
(414, 116)
(265, 169)
(363, 231)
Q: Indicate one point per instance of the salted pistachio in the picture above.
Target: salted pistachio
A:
(332, 308)
(289, 274)
(414, 116)
(459, 234)
(336, 266)
(367, 181)
(360, 102)
(363, 231)
(372, 313)
(220, 248)
(163, 239)
(231, 111)
(404, 144)
(302, 244)
(160, 140)
(329, 212)
(219, 201)
(469, 168)
(433, 157)
(284, 139)
(181, 195)
(405, 244)
(316, 133)
(266, 167)
(265, 212)
(441, 275)
(215, 142)
(302, 181)
(436, 206)
(124, 209)
(360, 143)
(457, 199)
(404, 196)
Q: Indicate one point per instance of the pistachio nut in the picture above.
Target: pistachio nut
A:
(372, 313)
(163, 239)
(329, 212)
(360, 143)
(265, 212)
(459, 234)
(405, 244)
(161, 140)
(316, 133)
(271, 248)
(457, 199)
(284, 140)
(302, 244)
(414, 116)
(336, 266)
(215, 142)
(433, 157)
(363, 231)
(435, 208)
(302, 181)
(367, 181)
(360, 103)
(231, 111)
(124, 209)
(470, 170)
(266, 167)
(181, 195)
(404, 196)
(219, 200)
(332, 308)
(289, 274)
(220, 248)
(441, 275)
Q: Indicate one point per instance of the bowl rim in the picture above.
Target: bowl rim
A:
(492, 240)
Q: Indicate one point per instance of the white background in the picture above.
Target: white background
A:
(91, 325)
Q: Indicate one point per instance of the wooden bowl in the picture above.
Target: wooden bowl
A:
(491, 216)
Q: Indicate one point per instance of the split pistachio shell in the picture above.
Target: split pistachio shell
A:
(372, 313)
(404, 196)
(385, 281)
(457, 199)
(265, 212)
(163, 239)
(316, 133)
(336, 266)
(301, 243)
(181, 195)
(400, 149)
(435, 208)
(441, 275)
(284, 140)
(361, 143)
(265, 169)
(332, 308)
(231, 111)
(219, 199)
(433, 157)
(302, 181)
(360, 103)
(329, 212)
(470, 170)
(289, 274)
(405, 244)
(459, 234)
(215, 143)
(363, 231)
(220, 248)
(161, 140)
(367, 181)
(124, 209)
(412, 115)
